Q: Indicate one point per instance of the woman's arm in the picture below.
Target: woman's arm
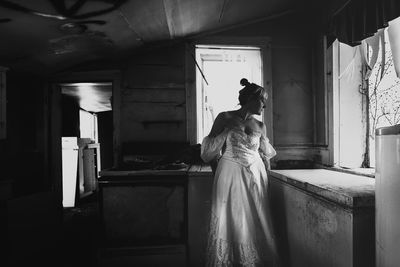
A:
(217, 128)
(213, 143)
(266, 150)
(218, 125)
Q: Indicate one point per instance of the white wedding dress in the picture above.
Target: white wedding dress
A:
(240, 231)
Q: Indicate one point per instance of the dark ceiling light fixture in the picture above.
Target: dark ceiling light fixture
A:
(64, 12)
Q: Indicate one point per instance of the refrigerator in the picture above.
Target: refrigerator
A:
(69, 170)
(387, 196)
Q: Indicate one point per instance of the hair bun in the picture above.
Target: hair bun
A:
(244, 82)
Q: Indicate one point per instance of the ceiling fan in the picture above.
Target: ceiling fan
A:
(66, 13)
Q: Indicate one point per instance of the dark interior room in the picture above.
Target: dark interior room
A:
(190, 133)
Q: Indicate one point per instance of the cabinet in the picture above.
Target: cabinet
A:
(143, 216)
(323, 217)
(199, 207)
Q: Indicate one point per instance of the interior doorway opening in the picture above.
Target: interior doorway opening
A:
(87, 137)
(220, 68)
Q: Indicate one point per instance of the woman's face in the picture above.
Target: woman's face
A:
(256, 105)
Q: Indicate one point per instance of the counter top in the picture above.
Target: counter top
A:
(346, 189)
(343, 188)
(192, 170)
(109, 173)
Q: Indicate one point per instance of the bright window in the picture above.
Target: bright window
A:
(366, 96)
(383, 92)
(220, 69)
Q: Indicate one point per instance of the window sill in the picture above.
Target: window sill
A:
(345, 189)
(368, 172)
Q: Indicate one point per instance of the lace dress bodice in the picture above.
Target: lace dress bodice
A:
(241, 147)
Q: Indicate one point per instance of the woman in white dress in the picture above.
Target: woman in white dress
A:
(240, 229)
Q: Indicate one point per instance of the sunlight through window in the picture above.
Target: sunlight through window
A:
(222, 68)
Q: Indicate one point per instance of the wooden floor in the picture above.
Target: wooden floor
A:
(173, 256)
(81, 239)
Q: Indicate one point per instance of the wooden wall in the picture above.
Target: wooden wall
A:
(153, 96)
(153, 90)
(153, 86)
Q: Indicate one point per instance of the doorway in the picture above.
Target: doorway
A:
(219, 71)
(86, 137)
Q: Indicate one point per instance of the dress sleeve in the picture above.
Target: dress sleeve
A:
(266, 148)
(211, 146)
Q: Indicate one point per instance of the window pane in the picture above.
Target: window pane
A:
(384, 93)
(223, 69)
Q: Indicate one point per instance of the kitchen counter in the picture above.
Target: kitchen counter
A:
(313, 206)
(191, 170)
(342, 188)
(112, 172)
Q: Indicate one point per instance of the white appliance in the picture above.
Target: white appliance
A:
(69, 170)
(387, 196)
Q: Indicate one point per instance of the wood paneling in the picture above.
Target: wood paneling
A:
(153, 121)
(293, 99)
(139, 112)
(154, 76)
(156, 95)
(153, 97)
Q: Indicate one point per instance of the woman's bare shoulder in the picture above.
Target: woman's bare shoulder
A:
(219, 124)
(261, 126)
(225, 115)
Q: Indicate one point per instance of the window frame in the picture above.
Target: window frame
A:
(263, 43)
(330, 156)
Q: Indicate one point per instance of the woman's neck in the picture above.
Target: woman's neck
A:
(243, 113)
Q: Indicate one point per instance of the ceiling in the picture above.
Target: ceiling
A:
(52, 35)
(92, 97)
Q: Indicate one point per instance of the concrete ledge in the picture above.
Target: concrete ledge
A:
(350, 190)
